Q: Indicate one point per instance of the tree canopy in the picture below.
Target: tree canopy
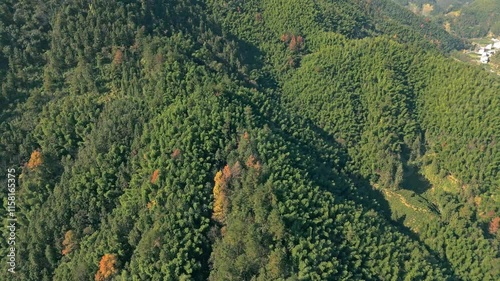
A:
(245, 140)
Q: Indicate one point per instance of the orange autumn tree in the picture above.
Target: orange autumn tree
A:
(107, 267)
(226, 173)
(494, 225)
(35, 160)
(155, 175)
(246, 135)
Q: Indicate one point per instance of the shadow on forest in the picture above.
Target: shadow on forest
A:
(337, 178)
(363, 194)
(415, 181)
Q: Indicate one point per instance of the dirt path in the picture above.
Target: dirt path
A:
(404, 201)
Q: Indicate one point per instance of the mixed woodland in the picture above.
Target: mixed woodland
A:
(245, 140)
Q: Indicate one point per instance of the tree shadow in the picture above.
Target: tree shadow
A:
(415, 181)
(334, 174)
(363, 194)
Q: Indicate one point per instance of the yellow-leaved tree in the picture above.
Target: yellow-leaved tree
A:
(220, 194)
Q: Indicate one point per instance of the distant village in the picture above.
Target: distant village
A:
(489, 50)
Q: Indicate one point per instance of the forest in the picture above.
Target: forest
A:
(244, 140)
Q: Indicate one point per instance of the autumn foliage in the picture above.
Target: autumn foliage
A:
(220, 193)
(226, 172)
(107, 267)
(219, 197)
(285, 38)
(427, 9)
(118, 58)
(69, 242)
(252, 162)
(151, 204)
(176, 153)
(494, 225)
(155, 175)
(295, 42)
(35, 159)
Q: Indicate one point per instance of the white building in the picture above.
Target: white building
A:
(488, 51)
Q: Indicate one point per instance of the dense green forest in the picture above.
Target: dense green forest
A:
(244, 140)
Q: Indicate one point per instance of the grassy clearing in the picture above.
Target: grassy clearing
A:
(449, 184)
(481, 41)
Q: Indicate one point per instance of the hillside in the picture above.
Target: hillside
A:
(244, 140)
(479, 18)
(466, 19)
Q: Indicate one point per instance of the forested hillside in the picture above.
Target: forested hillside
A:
(479, 18)
(244, 140)
(464, 18)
